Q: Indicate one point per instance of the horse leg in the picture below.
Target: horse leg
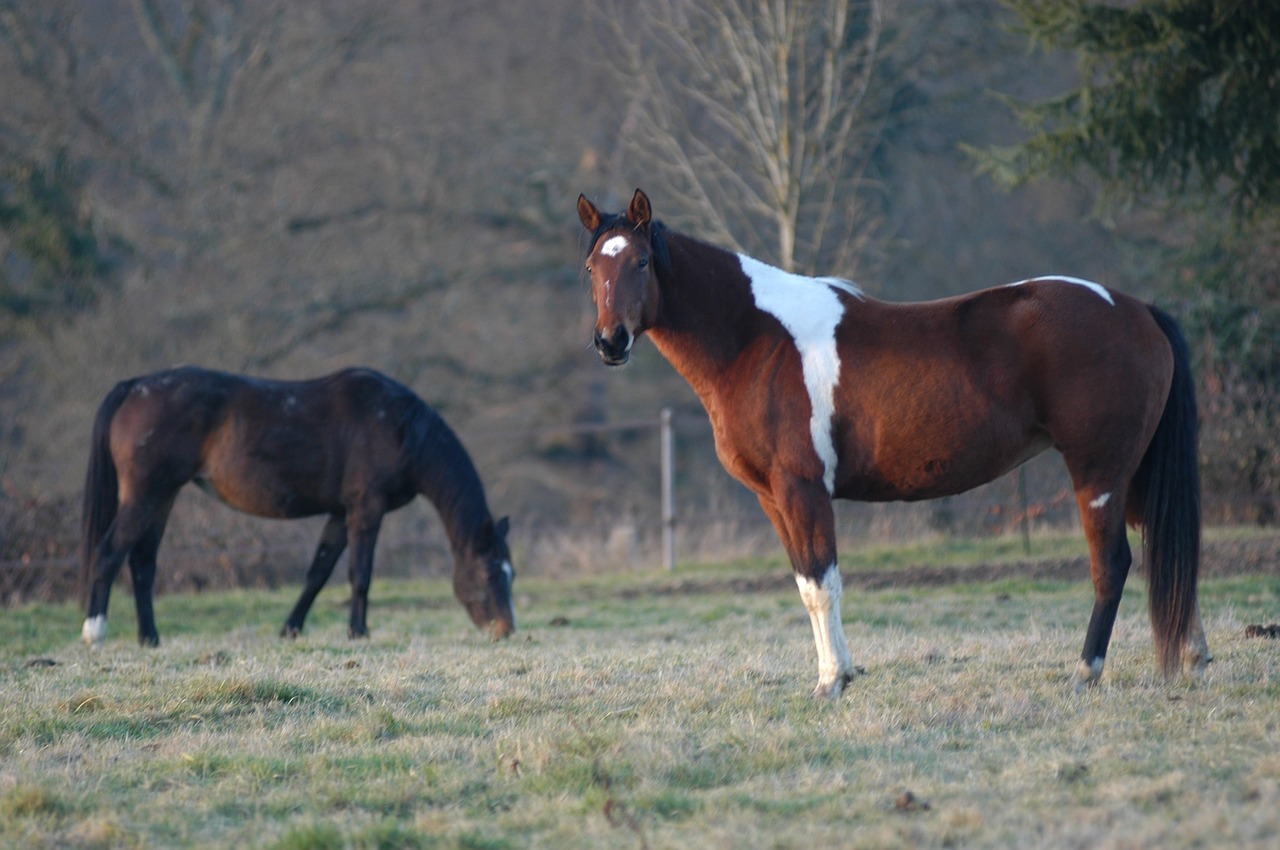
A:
(333, 540)
(125, 530)
(363, 530)
(107, 559)
(1102, 515)
(805, 521)
(142, 565)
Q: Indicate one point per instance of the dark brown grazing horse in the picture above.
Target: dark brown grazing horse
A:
(354, 445)
(816, 391)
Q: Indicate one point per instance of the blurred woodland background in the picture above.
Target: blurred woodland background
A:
(286, 187)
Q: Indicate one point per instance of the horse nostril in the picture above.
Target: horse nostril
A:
(614, 348)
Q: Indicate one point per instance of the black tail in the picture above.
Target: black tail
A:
(1167, 487)
(101, 488)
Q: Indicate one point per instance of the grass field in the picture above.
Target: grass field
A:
(630, 713)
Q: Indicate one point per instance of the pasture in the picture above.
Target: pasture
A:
(639, 711)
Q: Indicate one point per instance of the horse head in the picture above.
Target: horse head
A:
(624, 282)
(483, 578)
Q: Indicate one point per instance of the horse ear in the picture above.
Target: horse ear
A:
(503, 526)
(639, 212)
(483, 540)
(588, 214)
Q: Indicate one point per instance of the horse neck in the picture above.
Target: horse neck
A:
(448, 479)
(705, 318)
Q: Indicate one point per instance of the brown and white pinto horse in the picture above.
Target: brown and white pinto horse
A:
(353, 445)
(816, 391)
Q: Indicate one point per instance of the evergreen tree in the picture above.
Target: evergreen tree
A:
(1178, 96)
(1179, 100)
(50, 260)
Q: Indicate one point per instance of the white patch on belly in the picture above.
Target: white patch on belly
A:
(94, 631)
(1097, 288)
(614, 246)
(810, 310)
(1100, 501)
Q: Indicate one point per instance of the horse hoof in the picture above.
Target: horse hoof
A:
(362, 634)
(832, 690)
(290, 632)
(1086, 675)
(94, 631)
(1195, 664)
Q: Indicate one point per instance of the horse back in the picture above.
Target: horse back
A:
(938, 397)
(269, 448)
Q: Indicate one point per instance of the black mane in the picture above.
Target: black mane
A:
(447, 475)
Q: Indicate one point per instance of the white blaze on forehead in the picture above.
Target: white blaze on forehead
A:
(1097, 288)
(810, 310)
(1100, 501)
(614, 246)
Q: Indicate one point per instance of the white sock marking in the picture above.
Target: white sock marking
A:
(810, 310)
(822, 601)
(1088, 672)
(1096, 288)
(94, 631)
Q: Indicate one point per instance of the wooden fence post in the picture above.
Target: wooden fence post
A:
(668, 490)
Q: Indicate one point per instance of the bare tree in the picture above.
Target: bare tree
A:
(762, 114)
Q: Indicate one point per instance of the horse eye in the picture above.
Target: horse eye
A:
(644, 261)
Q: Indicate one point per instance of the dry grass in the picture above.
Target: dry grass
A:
(636, 719)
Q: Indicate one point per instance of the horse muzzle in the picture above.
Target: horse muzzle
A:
(615, 349)
(501, 627)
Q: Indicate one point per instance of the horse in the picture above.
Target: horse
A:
(354, 445)
(816, 391)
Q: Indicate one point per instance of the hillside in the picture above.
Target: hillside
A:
(294, 187)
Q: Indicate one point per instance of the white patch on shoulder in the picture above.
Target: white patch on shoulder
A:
(810, 309)
(1101, 501)
(1097, 288)
(94, 631)
(614, 246)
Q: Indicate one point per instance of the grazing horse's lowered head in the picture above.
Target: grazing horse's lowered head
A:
(483, 577)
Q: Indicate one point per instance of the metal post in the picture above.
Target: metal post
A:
(668, 490)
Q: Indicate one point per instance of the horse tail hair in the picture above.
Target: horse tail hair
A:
(1167, 487)
(101, 486)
